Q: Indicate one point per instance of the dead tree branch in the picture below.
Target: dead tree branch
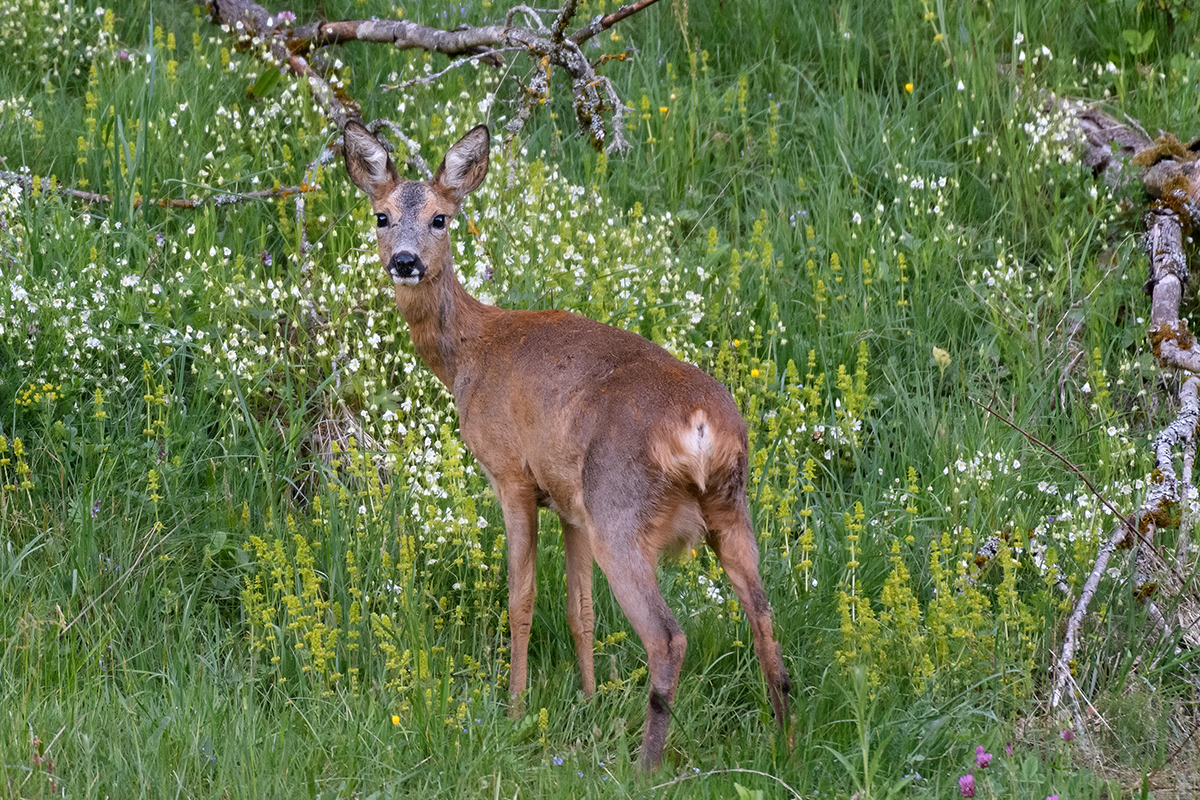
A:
(215, 197)
(1171, 177)
(594, 95)
(1062, 670)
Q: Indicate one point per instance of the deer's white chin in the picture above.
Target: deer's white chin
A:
(411, 280)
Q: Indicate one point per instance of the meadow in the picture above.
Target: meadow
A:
(244, 552)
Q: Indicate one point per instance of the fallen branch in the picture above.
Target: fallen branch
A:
(215, 198)
(1171, 176)
(593, 94)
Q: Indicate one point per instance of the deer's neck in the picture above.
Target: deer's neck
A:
(444, 321)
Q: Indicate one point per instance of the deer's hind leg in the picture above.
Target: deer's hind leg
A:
(580, 618)
(635, 586)
(732, 538)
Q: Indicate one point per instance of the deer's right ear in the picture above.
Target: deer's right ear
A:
(368, 163)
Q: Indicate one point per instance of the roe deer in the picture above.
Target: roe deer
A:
(636, 451)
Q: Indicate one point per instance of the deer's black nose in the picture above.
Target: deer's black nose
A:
(406, 265)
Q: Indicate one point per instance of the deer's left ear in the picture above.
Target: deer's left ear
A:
(466, 163)
(369, 165)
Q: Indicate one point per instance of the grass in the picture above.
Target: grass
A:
(244, 552)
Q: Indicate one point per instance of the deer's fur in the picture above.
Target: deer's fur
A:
(636, 451)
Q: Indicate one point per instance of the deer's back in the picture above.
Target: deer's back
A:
(553, 395)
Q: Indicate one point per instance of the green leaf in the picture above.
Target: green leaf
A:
(265, 83)
(1138, 41)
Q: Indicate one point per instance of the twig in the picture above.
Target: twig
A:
(1091, 486)
(324, 157)
(1162, 491)
(414, 150)
(1071, 637)
(603, 23)
(530, 14)
(425, 80)
(732, 770)
(146, 548)
(1176, 752)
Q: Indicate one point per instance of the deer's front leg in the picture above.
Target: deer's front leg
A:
(519, 504)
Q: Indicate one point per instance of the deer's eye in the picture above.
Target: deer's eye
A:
(439, 221)
(381, 220)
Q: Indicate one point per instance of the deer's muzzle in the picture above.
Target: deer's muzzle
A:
(406, 268)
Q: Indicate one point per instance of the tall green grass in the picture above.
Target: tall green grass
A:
(243, 551)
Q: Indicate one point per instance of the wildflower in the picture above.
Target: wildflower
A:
(1052, 797)
(941, 358)
(1068, 735)
(982, 758)
(1008, 749)
(908, 87)
(966, 785)
(395, 719)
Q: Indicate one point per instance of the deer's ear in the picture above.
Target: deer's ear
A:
(466, 163)
(368, 163)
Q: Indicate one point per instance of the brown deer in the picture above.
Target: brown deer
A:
(635, 451)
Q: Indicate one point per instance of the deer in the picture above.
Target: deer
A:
(637, 452)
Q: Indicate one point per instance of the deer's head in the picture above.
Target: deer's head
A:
(414, 216)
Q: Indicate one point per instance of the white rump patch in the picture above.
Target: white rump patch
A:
(696, 443)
